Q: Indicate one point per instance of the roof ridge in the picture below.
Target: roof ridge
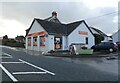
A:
(76, 22)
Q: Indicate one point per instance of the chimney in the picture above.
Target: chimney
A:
(54, 13)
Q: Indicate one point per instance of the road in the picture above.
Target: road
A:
(17, 65)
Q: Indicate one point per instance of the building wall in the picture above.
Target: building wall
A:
(38, 47)
(36, 27)
(51, 42)
(46, 47)
(116, 36)
(64, 43)
(75, 37)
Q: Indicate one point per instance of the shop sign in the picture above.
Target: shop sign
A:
(37, 33)
(83, 32)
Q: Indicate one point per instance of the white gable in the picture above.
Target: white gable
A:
(75, 37)
(36, 27)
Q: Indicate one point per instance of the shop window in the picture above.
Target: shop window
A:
(35, 41)
(29, 41)
(42, 40)
(86, 40)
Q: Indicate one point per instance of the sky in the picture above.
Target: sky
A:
(16, 17)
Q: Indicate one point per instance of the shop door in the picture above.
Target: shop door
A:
(58, 42)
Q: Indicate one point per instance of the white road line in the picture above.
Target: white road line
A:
(7, 54)
(15, 73)
(5, 57)
(11, 62)
(37, 67)
(8, 73)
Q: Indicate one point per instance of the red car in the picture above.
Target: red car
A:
(118, 44)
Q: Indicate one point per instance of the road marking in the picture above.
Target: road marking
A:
(7, 54)
(12, 48)
(15, 73)
(37, 67)
(5, 57)
(11, 62)
(8, 73)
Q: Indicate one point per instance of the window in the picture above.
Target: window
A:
(42, 40)
(35, 41)
(29, 41)
(86, 40)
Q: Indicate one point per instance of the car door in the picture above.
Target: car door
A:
(105, 47)
(102, 46)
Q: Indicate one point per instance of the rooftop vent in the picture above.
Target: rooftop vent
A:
(54, 13)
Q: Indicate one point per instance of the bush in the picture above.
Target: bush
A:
(12, 43)
(98, 38)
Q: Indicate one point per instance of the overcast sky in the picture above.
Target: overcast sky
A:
(16, 17)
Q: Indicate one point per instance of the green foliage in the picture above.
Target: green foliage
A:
(20, 38)
(12, 43)
(98, 38)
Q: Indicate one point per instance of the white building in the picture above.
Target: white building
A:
(51, 34)
(116, 36)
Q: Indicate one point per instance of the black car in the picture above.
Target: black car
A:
(109, 46)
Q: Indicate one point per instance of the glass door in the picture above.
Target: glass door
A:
(58, 42)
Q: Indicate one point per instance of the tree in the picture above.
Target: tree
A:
(20, 38)
(5, 37)
(98, 38)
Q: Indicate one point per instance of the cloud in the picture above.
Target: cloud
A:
(11, 28)
(94, 4)
(25, 12)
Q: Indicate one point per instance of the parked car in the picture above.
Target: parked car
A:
(108, 46)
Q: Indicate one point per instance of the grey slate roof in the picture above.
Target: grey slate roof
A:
(57, 28)
(53, 19)
(54, 28)
(99, 31)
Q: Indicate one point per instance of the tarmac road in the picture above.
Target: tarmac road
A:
(17, 65)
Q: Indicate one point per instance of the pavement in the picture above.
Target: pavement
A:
(22, 65)
(67, 53)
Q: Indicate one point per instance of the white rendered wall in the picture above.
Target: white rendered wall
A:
(26, 44)
(75, 37)
(46, 47)
(51, 42)
(64, 43)
(36, 27)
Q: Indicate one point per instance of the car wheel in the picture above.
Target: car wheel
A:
(110, 50)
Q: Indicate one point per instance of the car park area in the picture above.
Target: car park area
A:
(17, 69)
(21, 65)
